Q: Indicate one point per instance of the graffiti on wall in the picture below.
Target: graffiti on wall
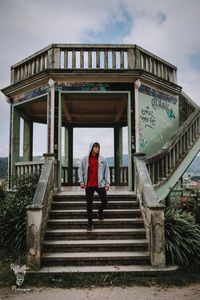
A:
(148, 118)
(158, 104)
(158, 119)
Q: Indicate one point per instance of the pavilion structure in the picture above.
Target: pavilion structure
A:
(68, 86)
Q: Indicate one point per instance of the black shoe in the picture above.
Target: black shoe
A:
(100, 216)
(90, 228)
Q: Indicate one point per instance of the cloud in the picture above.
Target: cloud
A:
(169, 29)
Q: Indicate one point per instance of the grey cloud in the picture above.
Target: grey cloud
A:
(167, 28)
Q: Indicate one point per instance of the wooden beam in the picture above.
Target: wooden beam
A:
(25, 115)
(120, 105)
(66, 112)
(94, 115)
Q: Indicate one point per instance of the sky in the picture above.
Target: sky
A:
(169, 29)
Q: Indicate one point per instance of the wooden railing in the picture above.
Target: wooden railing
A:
(88, 57)
(153, 213)
(30, 167)
(163, 164)
(75, 179)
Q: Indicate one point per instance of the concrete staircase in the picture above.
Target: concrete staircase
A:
(117, 242)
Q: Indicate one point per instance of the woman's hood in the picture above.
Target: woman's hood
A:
(91, 146)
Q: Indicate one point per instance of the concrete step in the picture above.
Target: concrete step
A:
(134, 269)
(115, 197)
(96, 234)
(96, 258)
(106, 223)
(82, 204)
(95, 245)
(81, 213)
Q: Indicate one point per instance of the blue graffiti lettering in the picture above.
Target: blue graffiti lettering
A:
(170, 114)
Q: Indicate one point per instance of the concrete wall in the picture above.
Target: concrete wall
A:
(158, 117)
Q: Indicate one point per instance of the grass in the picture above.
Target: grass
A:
(181, 277)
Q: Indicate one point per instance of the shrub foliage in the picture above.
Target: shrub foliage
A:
(182, 236)
(13, 215)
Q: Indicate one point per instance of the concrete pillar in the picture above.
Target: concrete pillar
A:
(69, 153)
(130, 141)
(66, 146)
(118, 152)
(10, 147)
(51, 117)
(15, 139)
(28, 141)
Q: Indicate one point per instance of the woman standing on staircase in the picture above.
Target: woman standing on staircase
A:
(94, 175)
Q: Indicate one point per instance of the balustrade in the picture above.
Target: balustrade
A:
(30, 167)
(87, 57)
(75, 179)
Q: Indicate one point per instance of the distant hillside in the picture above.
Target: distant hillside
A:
(111, 160)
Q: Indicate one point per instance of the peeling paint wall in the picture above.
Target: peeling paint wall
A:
(158, 114)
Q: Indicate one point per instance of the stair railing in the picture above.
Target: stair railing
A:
(186, 107)
(152, 211)
(163, 164)
(37, 212)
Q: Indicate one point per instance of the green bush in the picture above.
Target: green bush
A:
(13, 215)
(182, 237)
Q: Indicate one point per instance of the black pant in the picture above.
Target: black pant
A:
(89, 197)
